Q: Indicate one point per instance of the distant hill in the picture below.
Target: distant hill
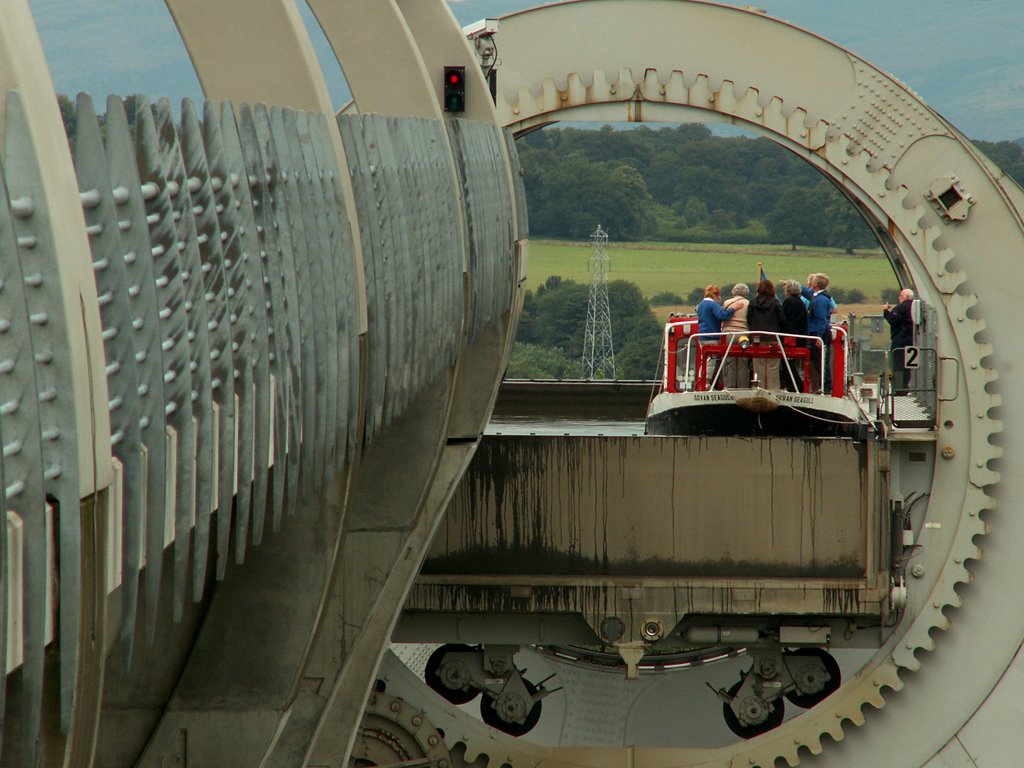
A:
(1019, 141)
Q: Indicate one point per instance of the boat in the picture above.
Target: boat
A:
(691, 399)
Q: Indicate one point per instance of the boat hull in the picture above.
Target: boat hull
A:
(755, 413)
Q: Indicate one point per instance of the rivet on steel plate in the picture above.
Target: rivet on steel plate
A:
(22, 207)
(90, 198)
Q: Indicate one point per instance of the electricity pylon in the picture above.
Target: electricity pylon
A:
(598, 350)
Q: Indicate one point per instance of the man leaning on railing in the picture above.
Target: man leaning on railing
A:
(819, 313)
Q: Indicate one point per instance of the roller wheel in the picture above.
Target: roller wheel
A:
(793, 661)
(461, 694)
(489, 712)
(774, 713)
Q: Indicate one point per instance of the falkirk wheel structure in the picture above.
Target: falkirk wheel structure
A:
(248, 350)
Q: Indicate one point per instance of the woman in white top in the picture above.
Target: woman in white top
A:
(736, 373)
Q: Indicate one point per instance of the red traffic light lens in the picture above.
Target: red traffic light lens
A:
(454, 89)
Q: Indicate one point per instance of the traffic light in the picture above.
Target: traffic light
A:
(454, 89)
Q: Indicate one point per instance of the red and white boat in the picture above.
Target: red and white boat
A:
(692, 400)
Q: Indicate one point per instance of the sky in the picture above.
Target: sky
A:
(964, 57)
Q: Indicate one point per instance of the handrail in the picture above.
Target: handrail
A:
(775, 343)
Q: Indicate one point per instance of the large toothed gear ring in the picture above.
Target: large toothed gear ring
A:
(394, 731)
(886, 150)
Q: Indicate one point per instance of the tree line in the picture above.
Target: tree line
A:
(549, 340)
(682, 184)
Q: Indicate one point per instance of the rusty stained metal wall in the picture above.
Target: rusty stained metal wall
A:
(660, 527)
(664, 508)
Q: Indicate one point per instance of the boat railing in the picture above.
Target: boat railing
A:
(793, 350)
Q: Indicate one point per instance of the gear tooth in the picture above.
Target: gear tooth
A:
(903, 192)
(834, 728)
(575, 89)
(748, 105)
(675, 88)
(855, 716)
(772, 116)
(905, 658)
(626, 84)
(883, 174)
(814, 745)
(798, 124)
(524, 100)
(651, 87)
(549, 96)
(725, 97)
(947, 599)
(599, 86)
(700, 92)
(472, 753)
(978, 499)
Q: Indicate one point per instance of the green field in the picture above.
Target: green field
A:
(680, 267)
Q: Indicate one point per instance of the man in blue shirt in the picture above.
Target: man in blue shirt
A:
(819, 315)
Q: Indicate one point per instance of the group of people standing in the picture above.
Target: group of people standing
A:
(806, 310)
